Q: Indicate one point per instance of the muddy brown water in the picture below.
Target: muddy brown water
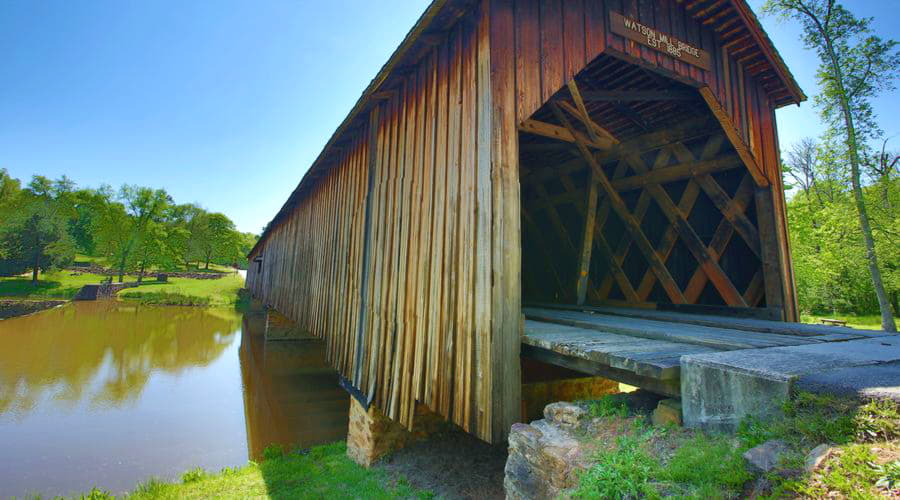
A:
(108, 394)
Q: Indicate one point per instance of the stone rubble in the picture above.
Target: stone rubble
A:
(765, 457)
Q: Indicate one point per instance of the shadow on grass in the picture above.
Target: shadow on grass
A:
(23, 287)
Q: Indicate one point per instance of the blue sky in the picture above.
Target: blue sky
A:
(226, 102)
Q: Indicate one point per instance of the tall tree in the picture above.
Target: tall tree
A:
(855, 66)
(143, 206)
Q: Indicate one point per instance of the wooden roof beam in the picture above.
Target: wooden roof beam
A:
(552, 131)
(637, 95)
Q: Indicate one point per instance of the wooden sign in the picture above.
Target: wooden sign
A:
(647, 36)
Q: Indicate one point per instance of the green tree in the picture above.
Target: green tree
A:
(855, 66)
(124, 226)
(33, 235)
(217, 239)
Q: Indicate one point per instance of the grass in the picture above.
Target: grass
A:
(864, 439)
(860, 322)
(634, 460)
(320, 472)
(52, 285)
(177, 291)
(186, 291)
(639, 461)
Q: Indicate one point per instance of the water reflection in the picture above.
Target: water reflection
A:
(103, 352)
(109, 394)
(290, 395)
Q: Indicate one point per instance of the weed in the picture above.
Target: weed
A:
(888, 475)
(608, 406)
(151, 487)
(96, 494)
(707, 463)
(624, 472)
(193, 475)
(878, 420)
(273, 451)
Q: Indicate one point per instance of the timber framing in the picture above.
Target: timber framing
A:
(514, 150)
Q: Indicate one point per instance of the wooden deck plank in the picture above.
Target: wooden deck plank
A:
(717, 338)
(646, 357)
(827, 333)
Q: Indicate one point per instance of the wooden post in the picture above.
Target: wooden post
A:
(771, 253)
(587, 241)
(506, 289)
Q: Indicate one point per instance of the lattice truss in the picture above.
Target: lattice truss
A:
(665, 215)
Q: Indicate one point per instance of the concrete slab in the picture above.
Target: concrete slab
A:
(863, 382)
(721, 389)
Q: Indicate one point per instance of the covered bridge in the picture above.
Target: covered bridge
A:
(569, 154)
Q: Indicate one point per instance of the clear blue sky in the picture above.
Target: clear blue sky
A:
(226, 103)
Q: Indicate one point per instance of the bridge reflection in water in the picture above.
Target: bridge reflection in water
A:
(291, 395)
(111, 393)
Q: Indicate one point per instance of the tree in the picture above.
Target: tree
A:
(123, 226)
(9, 190)
(217, 239)
(33, 236)
(855, 66)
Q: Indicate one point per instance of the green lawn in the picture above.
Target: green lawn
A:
(866, 322)
(222, 291)
(52, 285)
(65, 284)
(322, 472)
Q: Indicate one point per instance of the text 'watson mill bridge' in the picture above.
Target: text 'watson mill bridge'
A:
(592, 184)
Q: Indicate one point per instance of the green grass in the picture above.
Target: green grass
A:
(52, 285)
(858, 432)
(322, 472)
(186, 291)
(860, 322)
(608, 406)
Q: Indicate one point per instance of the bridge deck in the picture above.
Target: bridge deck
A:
(644, 347)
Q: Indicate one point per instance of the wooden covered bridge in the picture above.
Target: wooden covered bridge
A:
(611, 164)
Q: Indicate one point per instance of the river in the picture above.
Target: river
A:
(108, 394)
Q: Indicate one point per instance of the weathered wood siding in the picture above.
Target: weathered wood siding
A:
(402, 246)
(552, 40)
(407, 303)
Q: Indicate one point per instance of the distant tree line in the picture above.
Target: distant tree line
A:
(45, 223)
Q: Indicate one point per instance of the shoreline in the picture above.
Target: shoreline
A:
(16, 308)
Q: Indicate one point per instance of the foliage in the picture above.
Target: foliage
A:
(135, 229)
(855, 67)
(33, 233)
(828, 249)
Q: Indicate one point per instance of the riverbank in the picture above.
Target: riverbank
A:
(319, 472)
(64, 285)
(13, 308)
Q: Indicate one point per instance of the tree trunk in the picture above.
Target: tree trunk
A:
(36, 269)
(887, 317)
(141, 273)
